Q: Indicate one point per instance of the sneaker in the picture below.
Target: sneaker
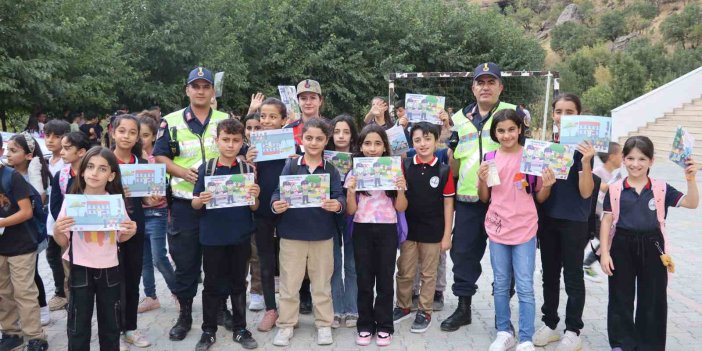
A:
(421, 323)
(526, 346)
(503, 341)
(545, 336)
(256, 302)
(363, 338)
(351, 320)
(11, 342)
(123, 345)
(44, 315)
(591, 274)
(383, 339)
(57, 302)
(268, 321)
(438, 301)
(570, 342)
(415, 303)
(37, 345)
(244, 338)
(324, 336)
(400, 314)
(135, 338)
(147, 304)
(337, 322)
(206, 341)
(283, 336)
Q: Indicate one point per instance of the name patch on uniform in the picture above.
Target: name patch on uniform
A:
(434, 181)
(652, 204)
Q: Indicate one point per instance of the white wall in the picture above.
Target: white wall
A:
(652, 105)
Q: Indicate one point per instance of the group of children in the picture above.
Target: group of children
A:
(347, 248)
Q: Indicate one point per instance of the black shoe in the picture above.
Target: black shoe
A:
(37, 345)
(421, 323)
(206, 341)
(185, 321)
(10, 342)
(438, 301)
(305, 307)
(400, 314)
(244, 338)
(225, 319)
(460, 317)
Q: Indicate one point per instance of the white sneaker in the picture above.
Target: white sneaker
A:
(503, 342)
(123, 345)
(545, 336)
(526, 346)
(283, 336)
(45, 315)
(136, 338)
(324, 336)
(256, 302)
(570, 342)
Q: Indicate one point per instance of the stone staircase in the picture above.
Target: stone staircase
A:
(662, 130)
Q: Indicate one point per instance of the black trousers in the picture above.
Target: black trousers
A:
(226, 268)
(469, 242)
(53, 257)
(184, 247)
(562, 245)
(40, 284)
(91, 286)
(375, 248)
(638, 274)
(132, 261)
(266, 244)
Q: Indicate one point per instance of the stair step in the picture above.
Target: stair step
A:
(671, 128)
(682, 120)
(689, 111)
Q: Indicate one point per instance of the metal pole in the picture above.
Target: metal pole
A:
(546, 102)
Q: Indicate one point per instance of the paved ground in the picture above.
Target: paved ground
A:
(684, 311)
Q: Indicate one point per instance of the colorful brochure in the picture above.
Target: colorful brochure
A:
(229, 190)
(595, 129)
(424, 108)
(301, 191)
(377, 173)
(539, 154)
(288, 95)
(276, 144)
(397, 140)
(683, 144)
(343, 161)
(95, 212)
(144, 180)
(219, 84)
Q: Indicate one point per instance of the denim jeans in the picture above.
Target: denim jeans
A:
(519, 259)
(156, 222)
(344, 288)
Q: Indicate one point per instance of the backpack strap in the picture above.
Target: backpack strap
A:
(293, 165)
(659, 188)
(209, 169)
(615, 193)
(64, 177)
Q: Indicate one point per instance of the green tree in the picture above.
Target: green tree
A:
(569, 37)
(684, 27)
(611, 25)
(599, 100)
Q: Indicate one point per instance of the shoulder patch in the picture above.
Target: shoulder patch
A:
(162, 129)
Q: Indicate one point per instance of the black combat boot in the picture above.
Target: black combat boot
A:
(185, 320)
(460, 317)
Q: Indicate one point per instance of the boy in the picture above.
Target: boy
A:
(54, 132)
(19, 303)
(92, 129)
(429, 219)
(226, 249)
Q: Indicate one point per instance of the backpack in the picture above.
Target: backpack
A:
(39, 215)
(64, 176)
(210, 166)
(531, 179)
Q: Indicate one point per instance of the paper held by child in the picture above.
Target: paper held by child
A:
(342, 161)
(424, 108)
(376, 173)
(538, 155)
(397, 140)
(219, 84)
(288, 95)
(493, 174)
(276, 144)
(683, 144)
(144, 180)
(595, 129)
(95, 212)
(301, 191)
(230, 190)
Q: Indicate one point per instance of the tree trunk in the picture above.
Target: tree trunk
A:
(3, 117)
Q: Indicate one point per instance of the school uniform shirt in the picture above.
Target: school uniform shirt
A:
(94, 249)
(223, 226)
(565, 201)
(373, 206)
(511, 218)
(637, 212)
(425, 200)
(267, 175)
(17, 239)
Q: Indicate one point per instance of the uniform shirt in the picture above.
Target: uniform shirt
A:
(425, 201)
(565, 201)
(18, 239)
(637, 212)
(54, 168)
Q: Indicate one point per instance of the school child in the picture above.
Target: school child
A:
(563, 236)
(54, 131)
(634, 211)
(511, 225)
(343, 283)
(19, 296)
(155, 223)
(306, 239)
(429, 222)
(225, 248)
(611, 162)
(273, 116)
(252, 123)
(95, 269)
(375, 242)
(126, 145)
(92, 129)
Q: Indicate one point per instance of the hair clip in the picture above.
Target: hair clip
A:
(30, 141)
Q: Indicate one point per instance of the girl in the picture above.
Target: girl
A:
(306, 239)
(155, 221)
(378, 114)
(344, 288)
(511, 224)
(634, 211)
(26, 157)
(252, 123)
(127, 149)
(375, 243)
(95, 271)
(563, 236)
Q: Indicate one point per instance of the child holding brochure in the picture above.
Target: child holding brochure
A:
(95, 270)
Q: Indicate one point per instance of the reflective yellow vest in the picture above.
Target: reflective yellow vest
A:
(472, 145)
(194, 150)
